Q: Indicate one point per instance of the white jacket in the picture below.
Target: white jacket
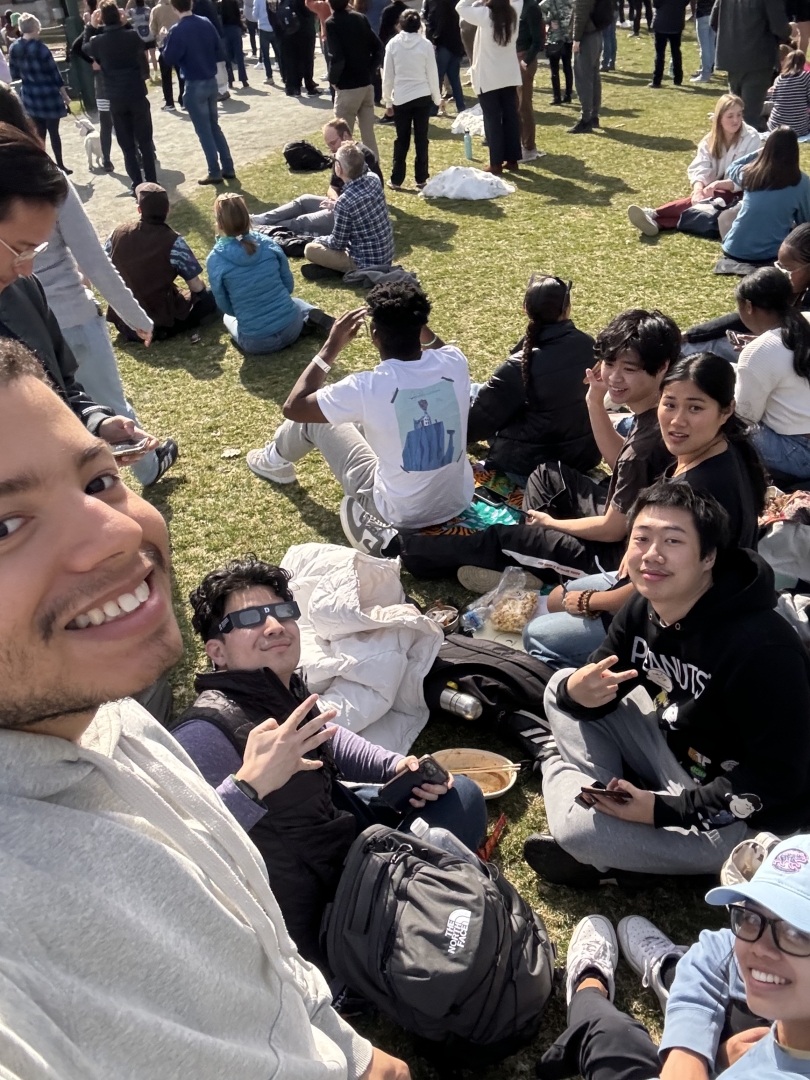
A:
(707, 169)
(410, 71)
(493, 65)
(363, 648)
(139, 938)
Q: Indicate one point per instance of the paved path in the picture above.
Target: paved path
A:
(255, 121)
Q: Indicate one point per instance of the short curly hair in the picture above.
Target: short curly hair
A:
(651, 335)
(209, 598)
(399, 310)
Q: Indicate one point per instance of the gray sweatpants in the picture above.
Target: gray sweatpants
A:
(345, 451)
(597, 750)
(751, 86)
(303, 216)
(587, 79)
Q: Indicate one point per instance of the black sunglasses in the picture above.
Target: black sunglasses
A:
(749, 925)
(256, 616)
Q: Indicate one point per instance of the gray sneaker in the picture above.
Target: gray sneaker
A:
(476, 579)
(363, 530)
(645, 948)
(592, 945)
(643, 218)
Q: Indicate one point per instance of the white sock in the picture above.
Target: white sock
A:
(273, 457)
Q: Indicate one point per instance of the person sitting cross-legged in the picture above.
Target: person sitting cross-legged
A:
(362, 236)
(258, 736)
(701, 691)
(314, 215)
(409, 466)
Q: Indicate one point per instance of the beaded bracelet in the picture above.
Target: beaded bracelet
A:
(584, 604)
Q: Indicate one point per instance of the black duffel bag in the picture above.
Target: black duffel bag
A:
(445, 947)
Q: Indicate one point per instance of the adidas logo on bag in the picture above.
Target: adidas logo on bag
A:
(457, 926)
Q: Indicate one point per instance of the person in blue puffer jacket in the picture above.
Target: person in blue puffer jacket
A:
(252, 283)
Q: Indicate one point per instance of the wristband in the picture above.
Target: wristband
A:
(322, 364)
(250, 791)
(430, 344)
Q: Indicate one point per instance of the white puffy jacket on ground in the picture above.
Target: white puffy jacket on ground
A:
(363, 648)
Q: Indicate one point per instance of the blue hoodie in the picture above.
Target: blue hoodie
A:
(255, 288)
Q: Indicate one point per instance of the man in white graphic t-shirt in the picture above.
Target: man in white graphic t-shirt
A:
(395, 436)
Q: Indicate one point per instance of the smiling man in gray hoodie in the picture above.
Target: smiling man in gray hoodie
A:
(139, 937)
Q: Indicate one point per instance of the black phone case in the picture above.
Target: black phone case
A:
(397, 792)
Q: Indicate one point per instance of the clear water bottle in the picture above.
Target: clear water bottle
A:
(442, 838)
(468, 146)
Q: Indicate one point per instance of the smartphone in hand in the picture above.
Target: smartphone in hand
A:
(398, 792)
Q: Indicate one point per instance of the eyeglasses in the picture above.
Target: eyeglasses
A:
(22, 257)
(783, 269)
(256, 616)
(749, 925)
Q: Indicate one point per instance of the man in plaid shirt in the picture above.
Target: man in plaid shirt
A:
(362, 235)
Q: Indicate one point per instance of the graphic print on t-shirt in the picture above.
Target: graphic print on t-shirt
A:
(428, 419)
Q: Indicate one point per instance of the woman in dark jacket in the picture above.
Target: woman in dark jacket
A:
(668, 23)
(442, 29)
(533, 407)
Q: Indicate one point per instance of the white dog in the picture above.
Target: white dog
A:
(92, 142)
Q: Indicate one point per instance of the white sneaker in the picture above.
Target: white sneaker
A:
(270, 465)
(699, 79)
(363, 530)
(593, 945)
(645, 948)
(532, 155)
(643, 218)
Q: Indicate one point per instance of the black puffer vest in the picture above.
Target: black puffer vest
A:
(303, 837)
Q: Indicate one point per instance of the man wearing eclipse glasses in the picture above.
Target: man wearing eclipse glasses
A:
(257, 736)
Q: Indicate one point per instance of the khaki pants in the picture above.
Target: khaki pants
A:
(525, 90)
(325, 256)
(358, 104)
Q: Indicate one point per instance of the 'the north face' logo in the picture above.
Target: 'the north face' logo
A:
(457, 926)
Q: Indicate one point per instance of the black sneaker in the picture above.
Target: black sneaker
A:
(319, 318)
(548, 860)
(595, 122)
(166, 455)
(531, 734)
(229, 176)
(581, 127)
(314, 272)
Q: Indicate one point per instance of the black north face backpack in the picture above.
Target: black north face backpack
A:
(446, 948)
(302, 156)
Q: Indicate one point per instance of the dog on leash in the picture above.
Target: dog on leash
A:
(92, 142)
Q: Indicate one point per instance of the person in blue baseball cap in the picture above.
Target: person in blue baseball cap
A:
(737, 1003)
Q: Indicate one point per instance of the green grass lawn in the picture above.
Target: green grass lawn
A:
(567, 217)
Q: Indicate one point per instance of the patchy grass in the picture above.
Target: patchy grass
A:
(474, 259)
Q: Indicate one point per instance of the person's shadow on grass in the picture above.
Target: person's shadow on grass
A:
(202, 360)
(571, 183)
(412, 231)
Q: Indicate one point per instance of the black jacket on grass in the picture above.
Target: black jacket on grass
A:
(546, 420)
(731, 687)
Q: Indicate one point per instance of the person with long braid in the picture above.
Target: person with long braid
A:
(533, 407)
(773, 374)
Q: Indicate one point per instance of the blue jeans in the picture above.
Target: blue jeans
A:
(789, 454)
(448, 65)
(266, 39)
(609, 47)
(98, 374)
(564, 640)
(707, 39)
(234, 50)
(200, 99)
(270, 342)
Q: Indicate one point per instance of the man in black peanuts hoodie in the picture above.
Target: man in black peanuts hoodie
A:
(701, 692)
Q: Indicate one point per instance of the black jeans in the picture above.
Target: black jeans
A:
(166, 81)
(563, 58)
(501, 125)
(297, 60)
(544, 551)
(414, 113)
(133, 130)
(600, 1043)
(634, 8)
(252, 29)
(51, 127)
(203, 304)
(105, 130)
(660, 55)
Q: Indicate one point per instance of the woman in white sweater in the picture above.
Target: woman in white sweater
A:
(411, 85)
(496, 76)
(730, 138)
(773, 373)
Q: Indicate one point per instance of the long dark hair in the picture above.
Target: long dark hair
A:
(770, 290)
(545, 300)
(798, 240)
(504, 20)
(12, 112)
(777, 164)
(714, 376)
